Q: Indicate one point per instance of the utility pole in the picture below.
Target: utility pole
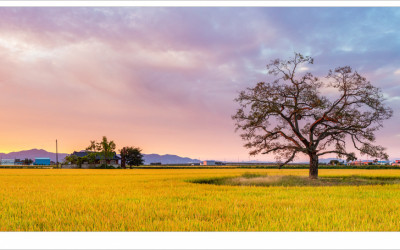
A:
(56, 153)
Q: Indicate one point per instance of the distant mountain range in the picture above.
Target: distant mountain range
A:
(148, 158)
(32, 154)
(167, 159)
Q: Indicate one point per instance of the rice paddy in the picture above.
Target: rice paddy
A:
(167, 200)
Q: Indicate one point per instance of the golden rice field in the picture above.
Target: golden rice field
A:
(163, 200)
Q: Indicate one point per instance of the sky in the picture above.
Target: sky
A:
(165, 79)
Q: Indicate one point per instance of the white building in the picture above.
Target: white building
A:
(383, 162)
(208, 162)
(7, 162)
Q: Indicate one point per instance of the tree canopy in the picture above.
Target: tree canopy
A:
(299, 113)
(104, 148)
(131, 156)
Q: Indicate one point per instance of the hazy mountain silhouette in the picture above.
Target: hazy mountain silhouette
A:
(149, 158)
(167, 159)
(32, 154)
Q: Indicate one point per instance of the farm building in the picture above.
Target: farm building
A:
(213, 163)
(383, 162)
(360, 163)
(8, 162)
(369, 162)
(42, 161)
(209, 163)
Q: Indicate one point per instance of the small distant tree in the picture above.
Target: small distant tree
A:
(73, 159)
(334, 162)
(28, 161)
(131, 156)
(291, 116)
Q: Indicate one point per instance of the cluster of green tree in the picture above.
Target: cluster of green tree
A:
(73, 159)
(26, 161)
(105, 150)
(131, 156)
(336, 162)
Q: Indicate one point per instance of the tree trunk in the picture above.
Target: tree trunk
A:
(313, 166)
(123, 162)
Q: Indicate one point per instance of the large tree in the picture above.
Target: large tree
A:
(106, 148)
(291, 116)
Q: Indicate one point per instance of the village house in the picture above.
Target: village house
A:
(212, 163)
(370, 162)
(355, 163)
(383, 162)
(396, 163)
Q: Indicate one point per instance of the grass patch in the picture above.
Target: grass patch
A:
(253, 175)
(254, 179)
